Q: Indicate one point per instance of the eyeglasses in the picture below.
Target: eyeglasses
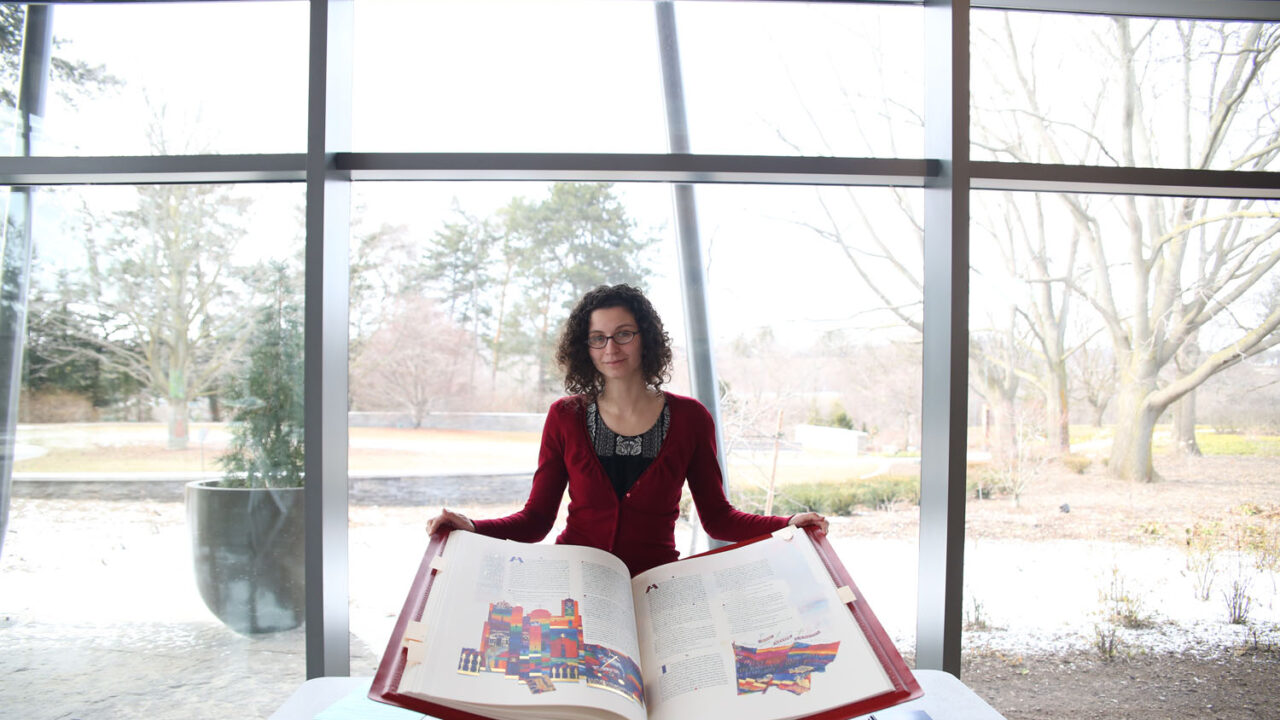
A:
(622, 337)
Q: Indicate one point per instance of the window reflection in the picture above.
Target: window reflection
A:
(1117, 355)
(143, 347)
(1120, 91)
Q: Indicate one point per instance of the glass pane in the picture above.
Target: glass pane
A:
(1130, 92)
(815, 301)
(440, 269)
(1124, 442)
(578, 76)
(12, 19)
(162, 353)
(175, 79)
(835, 79)
(791, 78)
(458, 294)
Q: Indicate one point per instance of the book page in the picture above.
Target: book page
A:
(756, 633)
(528, 627)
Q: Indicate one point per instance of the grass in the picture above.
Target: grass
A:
(141, 447)
(1087, 433)
(1239, 445)
(1217, 443)
(120, 459)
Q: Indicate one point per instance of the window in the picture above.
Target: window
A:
(1121, 359)
(174, 79)
(842, 79)
(1120, 91)
(819, 375)
(576, 76)
(158, 317)
(454, 326)
(159, 112)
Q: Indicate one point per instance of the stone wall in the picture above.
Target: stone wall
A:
(502, 422)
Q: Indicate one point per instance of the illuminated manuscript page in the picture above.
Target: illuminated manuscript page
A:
(523, 627)
(756, 633)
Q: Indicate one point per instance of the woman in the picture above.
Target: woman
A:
(623, 446)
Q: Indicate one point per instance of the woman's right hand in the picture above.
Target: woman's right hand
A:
(449, 520)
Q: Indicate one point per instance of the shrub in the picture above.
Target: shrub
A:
(1076, 463)
(1106, 641)
(1122, 607)
(1238, 601)
(55, 406)
(838, 418)
(832, 498)
(973, 617)
(983, 481)
(1262, 543)
(1202, 558)
(883, 492)
(267, 421)
(1259, 644)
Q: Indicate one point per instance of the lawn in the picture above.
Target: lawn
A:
(1212, 443)
(141, 447)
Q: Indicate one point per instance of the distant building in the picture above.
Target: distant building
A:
(832, 439)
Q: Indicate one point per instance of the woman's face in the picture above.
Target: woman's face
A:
(615, 361)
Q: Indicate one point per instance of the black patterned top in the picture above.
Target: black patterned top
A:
(625, 457)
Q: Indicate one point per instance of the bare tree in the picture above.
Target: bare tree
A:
(415, 362)
(1093, 378)
(158, 300)
(1190, 260)
(1037, 271)
(1164, 271)
(889, 262)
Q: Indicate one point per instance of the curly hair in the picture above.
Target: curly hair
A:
(580, 374)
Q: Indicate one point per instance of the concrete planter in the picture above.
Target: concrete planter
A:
(247, 549)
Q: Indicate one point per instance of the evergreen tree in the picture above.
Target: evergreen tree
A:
(267, 400)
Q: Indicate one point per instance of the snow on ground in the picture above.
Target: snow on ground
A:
(133, 560)
(1035, 598)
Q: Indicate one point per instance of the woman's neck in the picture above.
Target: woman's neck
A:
(626, 395)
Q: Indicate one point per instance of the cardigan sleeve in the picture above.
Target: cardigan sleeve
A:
(532, 522)
(719, 518)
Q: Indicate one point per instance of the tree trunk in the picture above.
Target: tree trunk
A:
(497, 332)
(1184, 425)
(1135, 423)
(544, 381)
(1184, 410)
(1004, 431)
(178, 434)
(1057, 411)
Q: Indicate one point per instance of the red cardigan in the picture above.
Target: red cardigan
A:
(639, 529)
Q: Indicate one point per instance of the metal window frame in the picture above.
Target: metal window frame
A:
(945, 382)
(947, 176)
(326, 300)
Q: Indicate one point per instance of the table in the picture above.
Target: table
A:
(945, 698)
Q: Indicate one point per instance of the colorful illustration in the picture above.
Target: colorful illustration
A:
(540, 649)
(787, 667)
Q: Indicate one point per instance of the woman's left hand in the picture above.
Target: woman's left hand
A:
(809, 518)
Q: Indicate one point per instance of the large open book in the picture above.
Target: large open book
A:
(766, 629)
